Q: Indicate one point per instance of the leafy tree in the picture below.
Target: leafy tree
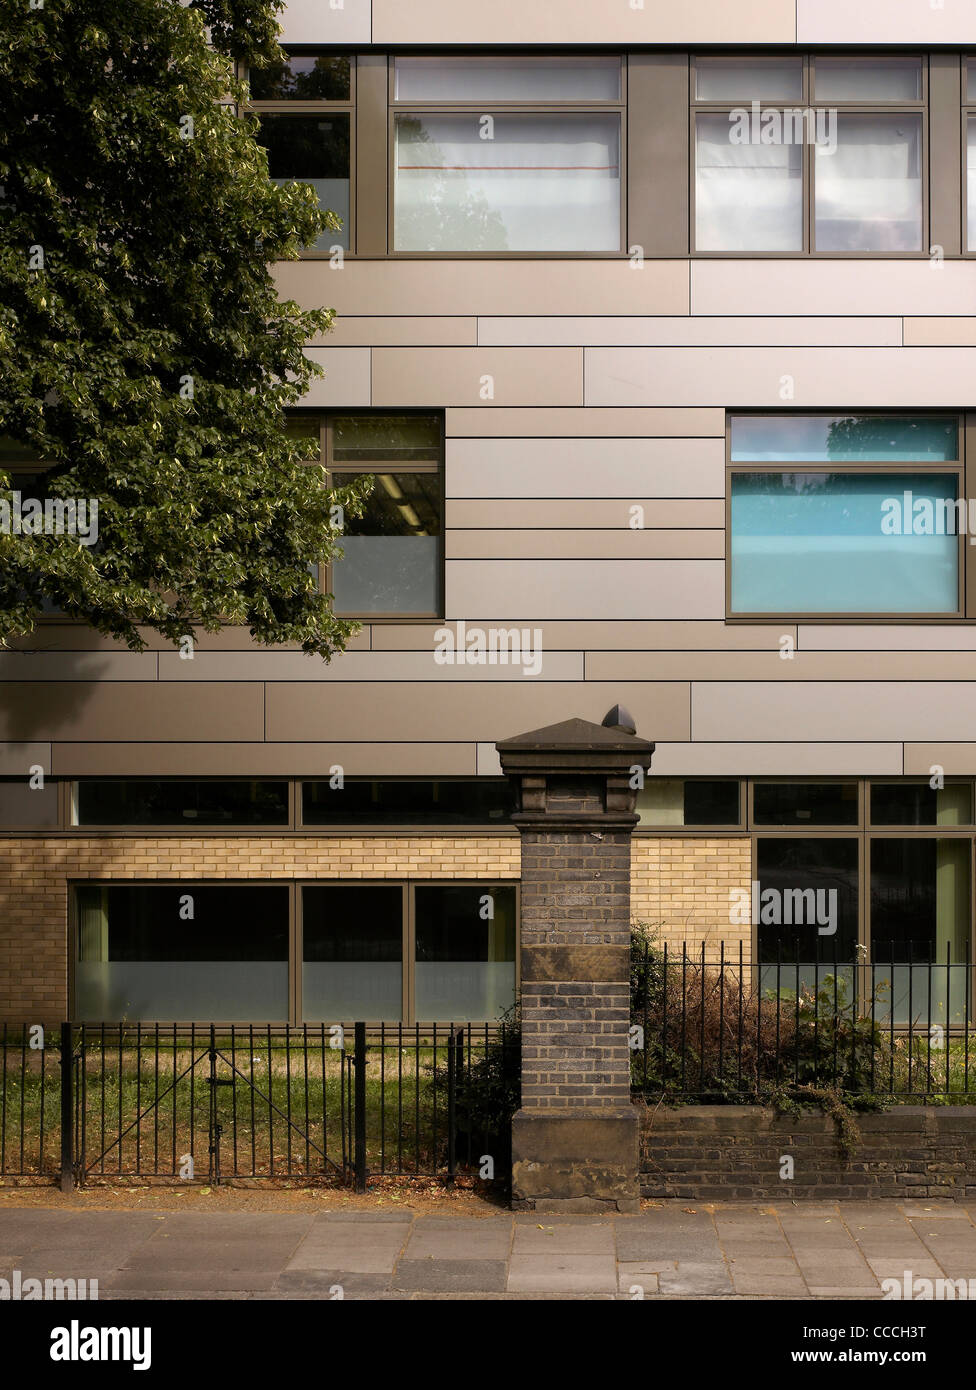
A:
(144, 354)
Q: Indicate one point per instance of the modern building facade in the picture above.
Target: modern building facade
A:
(657, 328)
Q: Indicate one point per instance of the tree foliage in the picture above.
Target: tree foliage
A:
(144, 354)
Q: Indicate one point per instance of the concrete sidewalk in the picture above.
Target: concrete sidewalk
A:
(818, 1251)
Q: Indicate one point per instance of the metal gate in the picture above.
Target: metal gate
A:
(187, 1101)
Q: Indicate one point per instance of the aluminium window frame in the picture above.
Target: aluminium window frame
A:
(711, 830)
(71, 825)
(336, 472)
(404, 829)
(295, 956)
(808, 163)
(965, 611)
(302, 106)
(397, 107)
(294, 829)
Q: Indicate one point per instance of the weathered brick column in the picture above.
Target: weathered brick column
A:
(574, 1141)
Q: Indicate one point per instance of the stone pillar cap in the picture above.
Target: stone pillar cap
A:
(574, 744)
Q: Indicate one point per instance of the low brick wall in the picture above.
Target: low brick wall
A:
(717, 1151)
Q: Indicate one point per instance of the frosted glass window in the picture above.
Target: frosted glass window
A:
(747, 197)
(971, 182)
(315, 150)
(353, 953)
(868, 79)
(465, 952)
(541, 183)
(814, 543)
(869, 188)
(507, 79)
(177, 952)
(843, 439)
(723, 79)
(391, 554)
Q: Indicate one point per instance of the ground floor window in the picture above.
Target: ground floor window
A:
(885, 913)
(180, 952)
(313, 952)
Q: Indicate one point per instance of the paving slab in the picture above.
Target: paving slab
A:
(451, 1276)
(448, 1243)
(750, 1251)
(562, 1273)
(324, 1283)
(694, 1278)
(574, 1239)
(770, 1285)
(637, 1285)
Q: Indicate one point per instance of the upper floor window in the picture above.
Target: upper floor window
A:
(392, 555)
(818, 154)
(507, 154)
(846, 515)
(305, 105)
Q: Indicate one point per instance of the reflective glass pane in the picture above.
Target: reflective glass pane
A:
(374, 438)
(182, 951)
(843, 439)
(748, 197)
(868, 79)
(540, 183)
(808, 902)
(868, 188)
(302, 77)
(916, 803)
(971, 181)
(842, 543)
(664, 801)
(735, 79)
(805, 803)
(390, 561)
(133, 801)
(465, 960)
(315, 150)
(507, 79)
(352, 969)
(920, 896)
(485, 802)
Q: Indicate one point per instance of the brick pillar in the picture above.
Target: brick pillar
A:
(574, 1141)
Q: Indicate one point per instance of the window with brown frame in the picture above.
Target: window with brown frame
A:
(392, 562)
(818, 155)
(507, 154)
(319, 951)
(306, 106)
(846, 516)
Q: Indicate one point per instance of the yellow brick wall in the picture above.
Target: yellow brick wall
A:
(679, 885)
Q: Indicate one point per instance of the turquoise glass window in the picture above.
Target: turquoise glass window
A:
(843, 439)
(844, 543)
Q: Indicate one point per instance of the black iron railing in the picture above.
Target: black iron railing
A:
(725, 1029)
(191, 1102)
